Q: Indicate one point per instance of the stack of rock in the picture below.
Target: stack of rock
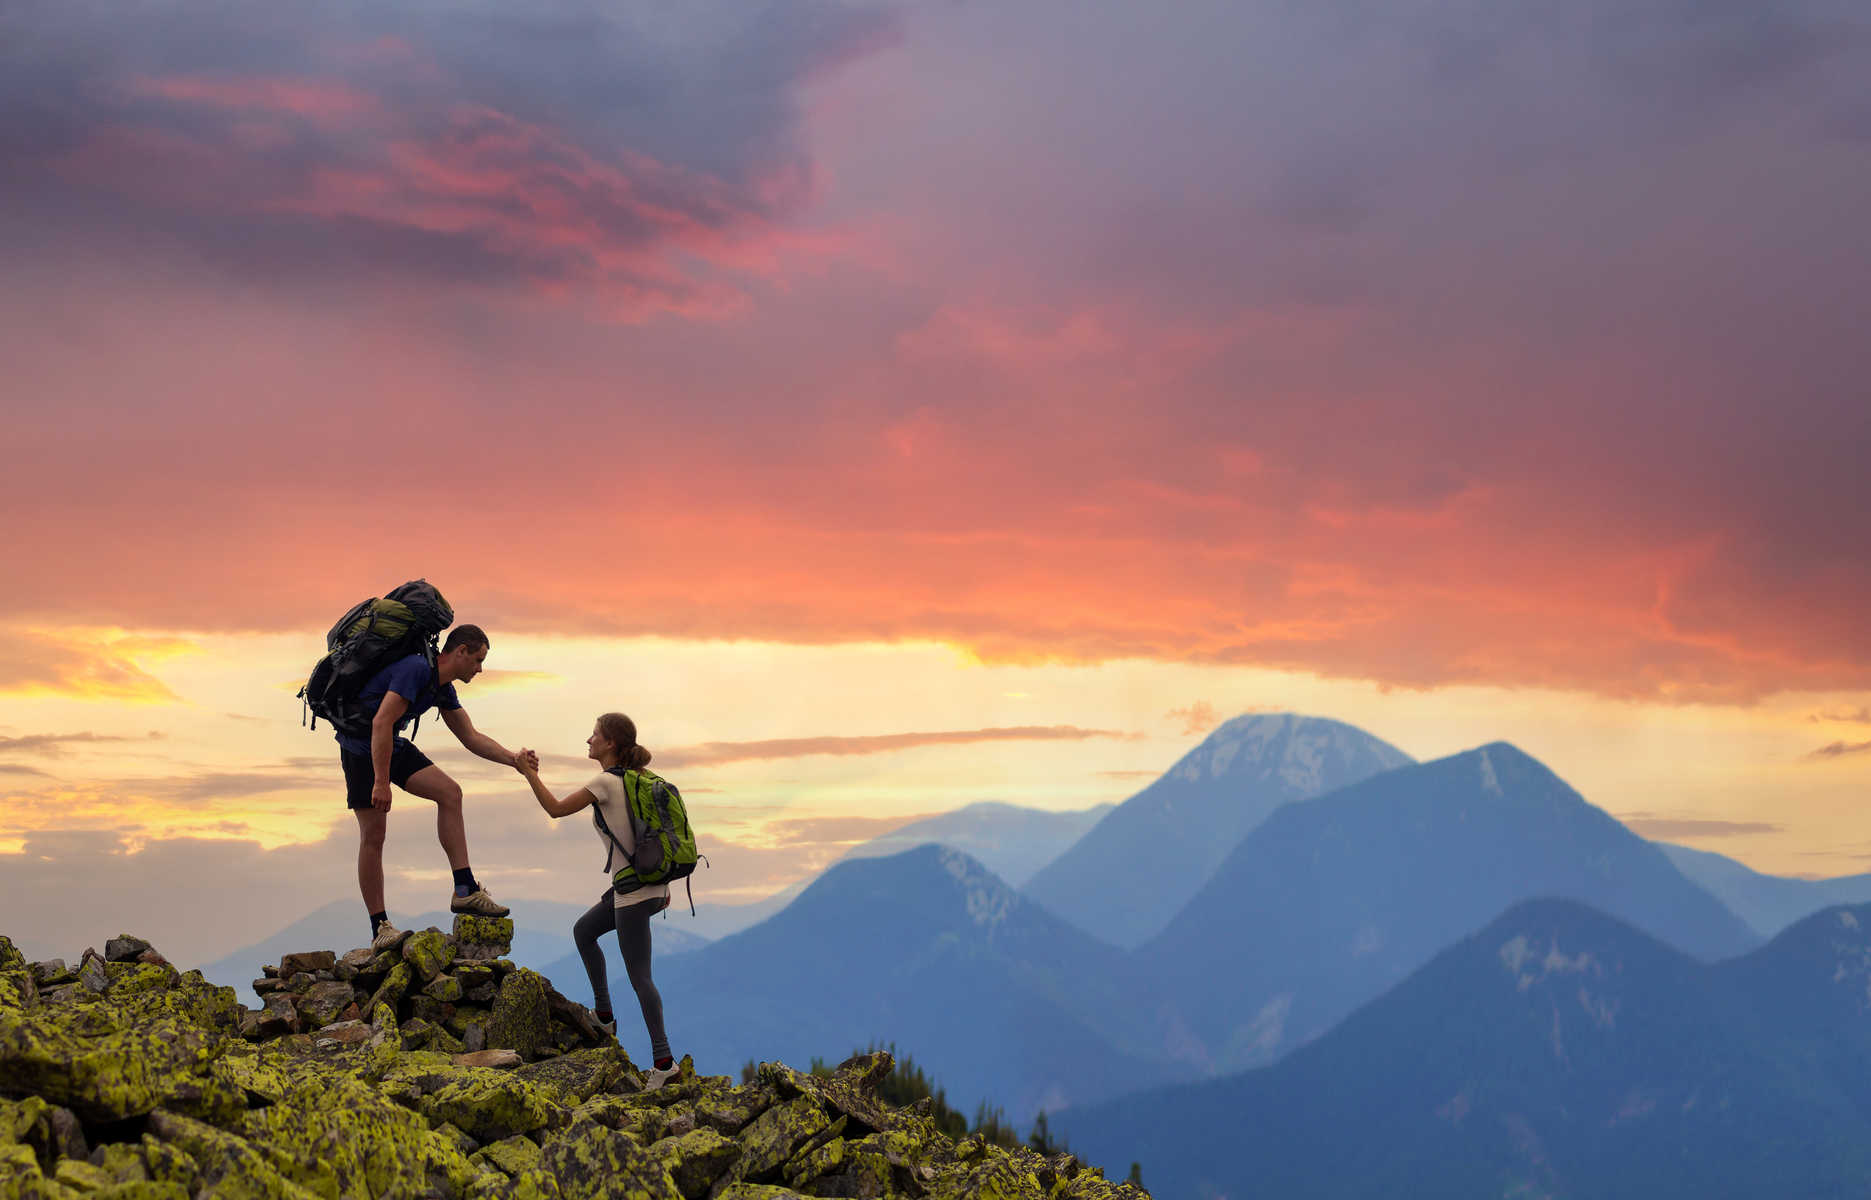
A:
(452, 992)
(125, 1078)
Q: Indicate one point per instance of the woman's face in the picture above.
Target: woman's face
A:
(597, 745)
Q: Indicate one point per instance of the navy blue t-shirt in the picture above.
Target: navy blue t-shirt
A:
(414, 680)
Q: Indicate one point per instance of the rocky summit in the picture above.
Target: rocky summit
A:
(433, 1069)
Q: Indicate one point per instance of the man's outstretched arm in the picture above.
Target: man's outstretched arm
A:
(477, 742)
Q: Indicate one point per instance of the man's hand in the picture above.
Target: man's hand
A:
(380, 795)
(526, 762)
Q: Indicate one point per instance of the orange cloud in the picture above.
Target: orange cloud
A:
(1157, 424)
(59, 743)
(36, 663)
(1660, 828)
(1199, 717)
(713, 753)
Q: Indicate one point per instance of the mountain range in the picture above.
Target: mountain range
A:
(1557, 1052)
(1327, 907)
(1329, 903)
(928, 949)
(1139, 866)
(1321, 908)
(1768, 903)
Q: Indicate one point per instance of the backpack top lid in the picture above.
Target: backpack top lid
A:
(425, 603)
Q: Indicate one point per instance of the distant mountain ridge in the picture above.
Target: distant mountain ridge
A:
(1012, 841)
(1768, 903)
(927, 948)
(1556, 1052)
(1136, 869)
(1335, 900)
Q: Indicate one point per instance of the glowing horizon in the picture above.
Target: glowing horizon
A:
(912, 381)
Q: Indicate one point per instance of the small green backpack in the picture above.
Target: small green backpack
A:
(660, 822)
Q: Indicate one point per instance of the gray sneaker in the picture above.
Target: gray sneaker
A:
(656, 1077)
(389, 937)
(479, 903)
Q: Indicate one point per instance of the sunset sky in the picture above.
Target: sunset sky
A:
(895, 405)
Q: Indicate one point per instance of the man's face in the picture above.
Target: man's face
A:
(467, 662)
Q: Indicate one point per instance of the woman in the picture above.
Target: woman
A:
(613, 742)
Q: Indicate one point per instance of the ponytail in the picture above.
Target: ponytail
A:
(621, 732)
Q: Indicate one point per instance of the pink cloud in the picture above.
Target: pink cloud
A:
(327, 103)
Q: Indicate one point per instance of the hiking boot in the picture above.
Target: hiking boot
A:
(479, 903)
(389, 937)
(609, 1027)
(656, 1077)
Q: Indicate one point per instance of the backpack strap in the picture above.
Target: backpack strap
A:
(597, 814)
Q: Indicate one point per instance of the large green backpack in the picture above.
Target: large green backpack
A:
(665, 845)
(374, 634)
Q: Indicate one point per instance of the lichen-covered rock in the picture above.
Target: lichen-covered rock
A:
(350, 1112)
(170, 1164)
(520, 1020)
(592, 1162)
(444, 988)
(92, 973)
(310, 963)
(861, 1174)
(509, 1156)
(575, 1078)
(229, 1165)
(343, 1033)
(125, 947)
(216, 1096)
(428, 954)
(826, 1159)
(481, 938)
(46, 974)
(775, 1136)
(534, 1183)
(696, 1160)
(344, 1137)
(732, 1111)
(280, 1016)
(644, 1122)
(393, 987)
(490, 1105)
(323, 1002)
(851, 1089)
(123, 1162)
(81, 1176)
(136, 978)
(89, 1063)
(145, 1189)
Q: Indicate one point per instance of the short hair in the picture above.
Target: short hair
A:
(471, 636)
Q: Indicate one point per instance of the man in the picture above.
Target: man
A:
(397, 694)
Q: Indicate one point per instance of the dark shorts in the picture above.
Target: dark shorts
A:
(359, 775)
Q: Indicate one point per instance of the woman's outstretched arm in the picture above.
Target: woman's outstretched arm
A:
(527, 764)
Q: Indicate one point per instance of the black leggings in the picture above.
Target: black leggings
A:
(632, 922)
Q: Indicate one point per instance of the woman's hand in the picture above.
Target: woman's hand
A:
(526, 762)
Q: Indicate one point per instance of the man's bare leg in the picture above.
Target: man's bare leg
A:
(371, 825)
(451, 829)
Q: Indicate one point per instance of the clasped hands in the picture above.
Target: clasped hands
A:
(526, 762)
